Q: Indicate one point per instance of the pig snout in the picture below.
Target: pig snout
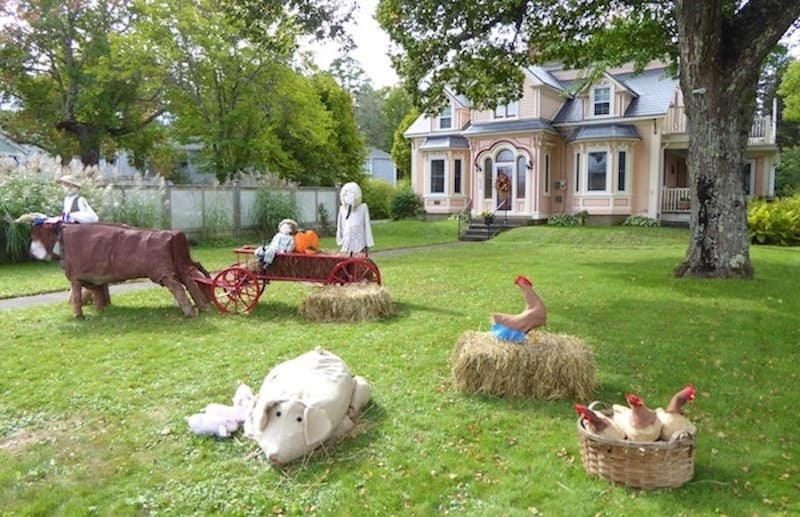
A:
(274, 459)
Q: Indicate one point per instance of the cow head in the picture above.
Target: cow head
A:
(46, 241)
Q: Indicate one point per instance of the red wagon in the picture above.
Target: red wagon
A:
(238, 287)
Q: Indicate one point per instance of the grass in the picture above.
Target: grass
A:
(91, 418)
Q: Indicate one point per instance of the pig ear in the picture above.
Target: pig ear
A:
(261, 414)
(317, 424)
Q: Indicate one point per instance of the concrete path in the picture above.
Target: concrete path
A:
(63, 296)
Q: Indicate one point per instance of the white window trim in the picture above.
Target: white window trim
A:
(602, 85)
(504, 109)
(452, 119)
(585, 172)
(429, 174)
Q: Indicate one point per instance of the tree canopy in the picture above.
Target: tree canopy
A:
(70, 72)
(94, 77)
(479, 48)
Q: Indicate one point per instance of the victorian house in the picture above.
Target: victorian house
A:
(614, 148)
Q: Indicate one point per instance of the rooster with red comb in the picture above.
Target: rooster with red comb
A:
(513, 327)
(672, 419)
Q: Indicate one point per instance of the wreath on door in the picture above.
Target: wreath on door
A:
(503, 183)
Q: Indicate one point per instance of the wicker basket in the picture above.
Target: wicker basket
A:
(645, 465)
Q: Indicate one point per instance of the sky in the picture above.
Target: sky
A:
(372, 47)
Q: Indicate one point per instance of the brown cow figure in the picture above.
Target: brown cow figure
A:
(95, 255)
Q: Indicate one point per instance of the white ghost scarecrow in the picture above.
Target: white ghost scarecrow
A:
(353, 231)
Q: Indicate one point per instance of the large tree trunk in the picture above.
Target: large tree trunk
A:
(88, 136)
(720, 59)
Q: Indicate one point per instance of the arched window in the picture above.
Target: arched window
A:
(505, 156)
(521, 170)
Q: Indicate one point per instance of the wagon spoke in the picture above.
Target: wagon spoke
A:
(236, 290)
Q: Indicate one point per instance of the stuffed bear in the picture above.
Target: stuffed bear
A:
(220, 420)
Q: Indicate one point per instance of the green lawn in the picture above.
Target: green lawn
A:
(91, 418)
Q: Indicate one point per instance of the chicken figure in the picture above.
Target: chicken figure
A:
(672, 419)
(638, 422)
(513, 327)
(599, 424)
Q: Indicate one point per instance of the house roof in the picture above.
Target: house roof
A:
(445, 142)
(654, 88)
(375, 153)
(545, 77)
(527, 124)
(605, 132)
(8, 146)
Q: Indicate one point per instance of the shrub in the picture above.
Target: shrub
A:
(406, 203)
(777, 222)
(139, 207)
(578, 219)
(377, 194)
(27, 188)
(640, 220)
(271, 208)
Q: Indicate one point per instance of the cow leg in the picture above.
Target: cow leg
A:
(102, 297)
(196, 292)
(176, 288)
(76, 299)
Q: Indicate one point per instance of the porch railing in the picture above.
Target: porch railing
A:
(761, 132)
(675, 199)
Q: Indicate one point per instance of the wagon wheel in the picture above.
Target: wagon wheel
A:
(353, 271)
(236, 290)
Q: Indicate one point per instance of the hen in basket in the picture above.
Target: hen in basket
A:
(599, 424)
(672, 419)
(638, 422)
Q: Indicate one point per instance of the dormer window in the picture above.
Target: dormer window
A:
(506, 110)
(601, 101)
(446, 118)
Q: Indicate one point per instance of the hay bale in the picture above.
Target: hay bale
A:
(547, 366)
(349, 303)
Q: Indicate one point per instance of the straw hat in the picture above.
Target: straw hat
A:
(69, 180)
(290, 222)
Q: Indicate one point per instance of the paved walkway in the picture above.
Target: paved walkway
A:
(126, 287)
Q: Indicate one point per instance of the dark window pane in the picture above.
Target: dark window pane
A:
(437, 176)
(487, 178)
(597, 171)
(521, 172)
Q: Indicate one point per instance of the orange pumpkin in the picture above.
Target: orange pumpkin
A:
(306, 241)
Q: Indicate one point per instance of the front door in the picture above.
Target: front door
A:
(502, 186)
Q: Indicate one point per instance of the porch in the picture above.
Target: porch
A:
(762, 132)
(675, 200)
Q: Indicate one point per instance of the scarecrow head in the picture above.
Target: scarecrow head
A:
(70, 185)
(350, 195)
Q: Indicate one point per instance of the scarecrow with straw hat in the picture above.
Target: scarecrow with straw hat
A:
(76, 209)
(282, 242)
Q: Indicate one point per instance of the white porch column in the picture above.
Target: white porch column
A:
(654, 176)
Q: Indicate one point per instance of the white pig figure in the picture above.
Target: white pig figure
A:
(303, 402)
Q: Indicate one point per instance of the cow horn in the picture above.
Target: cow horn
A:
(29, 217)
